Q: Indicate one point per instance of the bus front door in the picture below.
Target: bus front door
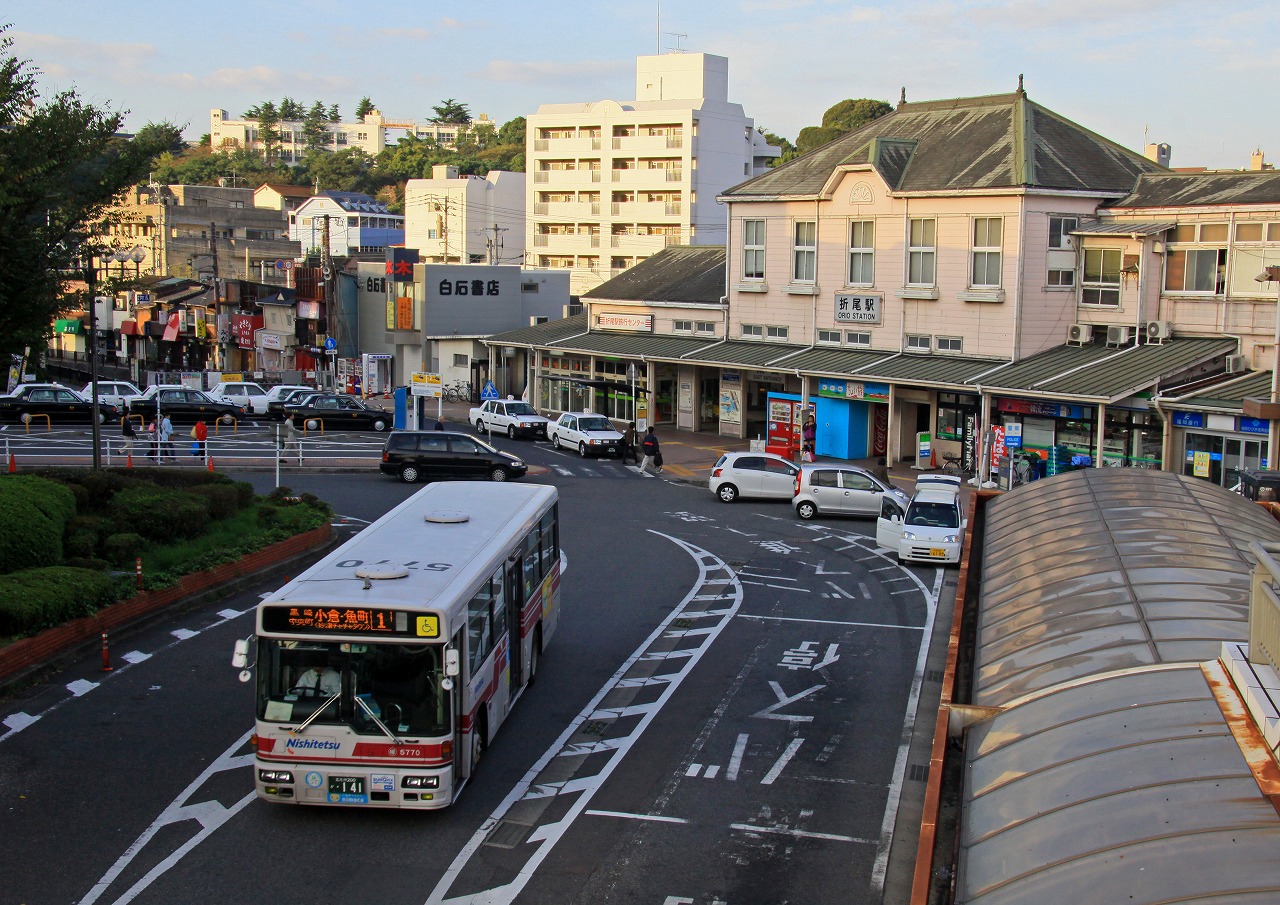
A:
(515, 610)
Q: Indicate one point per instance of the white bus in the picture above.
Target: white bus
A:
(384, 669)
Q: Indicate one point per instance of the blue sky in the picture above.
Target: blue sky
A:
(1196, 74)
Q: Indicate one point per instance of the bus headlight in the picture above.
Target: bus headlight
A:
(420, 782)
(275, 776)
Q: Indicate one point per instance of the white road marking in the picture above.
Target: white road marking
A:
(182, 634)
(694, 770)
(16, 722)
(652, 817)
(712, 771)
(910, 628)
(81, 686)
(135, 657)
(765, 584)
(735, 762)
(231, 614)
(769, 713)
(781, 763)
(785, 831)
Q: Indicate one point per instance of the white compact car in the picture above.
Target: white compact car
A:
(112, 391)
(590, 434)
(509, 416)
(753, 474)
(932, 528)
(252, 397)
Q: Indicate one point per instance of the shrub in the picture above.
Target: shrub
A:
(35, 599)
(244, 493)
(224, 500)
(33, 517)
(158, 514)
(53, 498)
(81, 544)
(123, 549)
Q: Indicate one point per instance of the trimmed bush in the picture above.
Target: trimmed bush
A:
(224, 500)
(33, 516)
(123, 549)
(159, 514)
(80, 545)
(53, 498)
(36, 599)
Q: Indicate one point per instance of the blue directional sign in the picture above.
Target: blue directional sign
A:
(330, 343)
(489, 391)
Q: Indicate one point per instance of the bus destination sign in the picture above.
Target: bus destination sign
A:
(352, 620)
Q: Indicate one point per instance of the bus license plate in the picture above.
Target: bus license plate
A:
(933, 551)
(347, 790)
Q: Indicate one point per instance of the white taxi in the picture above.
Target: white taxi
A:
(590, 434)
(509, 416)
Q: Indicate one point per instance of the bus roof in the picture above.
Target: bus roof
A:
(441, 559)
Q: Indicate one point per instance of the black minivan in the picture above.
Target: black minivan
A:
(433, 455)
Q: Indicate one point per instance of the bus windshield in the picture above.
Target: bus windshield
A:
(354, 685)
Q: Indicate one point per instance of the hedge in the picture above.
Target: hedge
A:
(160, 514)
(33, 516)
(37, 599)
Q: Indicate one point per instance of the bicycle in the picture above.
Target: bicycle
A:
(458, 392)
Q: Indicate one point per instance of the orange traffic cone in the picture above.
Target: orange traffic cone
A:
(13, 466)
(209, 460)
(128, 462)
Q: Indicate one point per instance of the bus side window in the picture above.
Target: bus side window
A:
(550, 544)
(532, 572)
(480, 626)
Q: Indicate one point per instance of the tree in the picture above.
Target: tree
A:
(268, 129)
(450, 111)
(290, 110)
(315, 127)
(61, 166)
(364, 108)
(349, 170)
(782, 144)
(512, 132)
(850, 114)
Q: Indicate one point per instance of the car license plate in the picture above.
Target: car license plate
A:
(347, 790)
(933, 551)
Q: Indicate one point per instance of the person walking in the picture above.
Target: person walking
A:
(200, 434)
(128, 434)
(289, 440)
(810, 434)
(652, 453)
(153, 439)
(165, 437)
(629, 450)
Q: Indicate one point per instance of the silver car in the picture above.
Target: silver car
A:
(842, 490)
(753, 474)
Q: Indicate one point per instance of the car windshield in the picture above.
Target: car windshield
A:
(933, 515)
(594, 424)
(520, 408)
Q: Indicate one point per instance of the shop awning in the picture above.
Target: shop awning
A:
(68, 325)
(129, 328)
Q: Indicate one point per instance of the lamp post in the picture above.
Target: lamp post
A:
(90, 280)
(1268, 275)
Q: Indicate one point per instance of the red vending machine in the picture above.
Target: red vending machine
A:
(785, 424)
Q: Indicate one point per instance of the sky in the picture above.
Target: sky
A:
(1134, 71)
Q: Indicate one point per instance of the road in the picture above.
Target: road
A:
(723, 716)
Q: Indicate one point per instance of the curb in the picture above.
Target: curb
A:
(27, 656)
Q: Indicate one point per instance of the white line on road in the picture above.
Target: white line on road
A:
(735, 762)
(781, 763)
(653, 817)
(786, 831)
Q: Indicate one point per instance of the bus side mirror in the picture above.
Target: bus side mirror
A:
(240, 657)
(451, 666)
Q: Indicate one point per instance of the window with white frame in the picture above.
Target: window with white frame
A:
(682, 326)
(950, 344)
(461, 361)
(753, 331)
(862, 240)
(753, 249)
(857, 338)
(919, 342)
(985, 269)
(1060, 229)
(707, 328)
(1061, 277)
(777, 332)
(1197, 269)
(804, 252)
(829, 337)
(1100, 281)
(921, 252)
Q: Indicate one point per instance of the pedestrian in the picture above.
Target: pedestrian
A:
(652, 453)
(128, 433)
(153, 440)
(289, 440)
(439, 425)
(165, 435)
(629, 450)
(200, 434)
(810, 433)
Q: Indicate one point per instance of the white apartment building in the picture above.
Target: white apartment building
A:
(452, 219)
(370, 136)
(612, 182)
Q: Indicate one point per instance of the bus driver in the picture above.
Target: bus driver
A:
(325, 679)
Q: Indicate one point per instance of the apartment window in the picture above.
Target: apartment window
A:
(1062, 278)
(705, 327)
(862, 240)
(752, 331)
(857, 338)
(919, 342)
(1201, 270)
(950, 344)
(461, 361)
(529, 288)
(1249, 232)
(778, 332)
(921, 250)
(682, 326)
(753, 249)
(1100, 284)
(804, 252)
(829, 337)
(985, 269)
(1060, 229)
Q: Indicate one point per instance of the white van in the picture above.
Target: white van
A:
(251, 396)
(932, 528)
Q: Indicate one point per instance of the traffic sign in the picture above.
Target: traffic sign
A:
(330, 343)
(489, 391)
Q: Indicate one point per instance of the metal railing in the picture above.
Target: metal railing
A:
(1264, 606)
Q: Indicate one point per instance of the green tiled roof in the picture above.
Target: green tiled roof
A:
(650, 345)
(542, 334)
(1224, 395)
(679, 273)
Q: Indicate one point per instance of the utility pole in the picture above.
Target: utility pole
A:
(330, 303)
(494, 244)
(217, 295)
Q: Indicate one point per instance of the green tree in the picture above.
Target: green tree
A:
(512, 132)
(269, 129)
(315, 127)
(61, 166)
(787, 148)
(364, 108)
(450, 111)
(811, 137)
(290, 110)
(333, 114)
(850, 114)
(349, 170)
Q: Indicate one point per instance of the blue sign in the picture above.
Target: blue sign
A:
(1188, 419)
(489, 391)
(330, 343)
(1253, 425)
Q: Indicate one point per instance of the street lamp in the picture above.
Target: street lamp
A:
(90, 280)
(1268, 275)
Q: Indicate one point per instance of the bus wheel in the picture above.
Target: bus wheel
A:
(477, 746)
(535, 654)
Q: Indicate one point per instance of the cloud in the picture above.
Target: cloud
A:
(73, 55)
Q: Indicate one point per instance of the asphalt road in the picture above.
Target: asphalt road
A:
(723, 716)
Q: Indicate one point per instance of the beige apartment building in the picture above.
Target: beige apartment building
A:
(458, 219)
(612, 182)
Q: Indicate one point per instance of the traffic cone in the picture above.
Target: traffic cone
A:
(128, 462)
(13, 466)
(209, 459)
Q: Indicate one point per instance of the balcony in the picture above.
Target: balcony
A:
(646, 245)
(564, 244)
(575, 145)
(654, 176)
(646, 209)
(648, 142)
(565, 177)
(566, 209)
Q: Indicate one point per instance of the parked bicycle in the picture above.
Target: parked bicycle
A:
(458, 392)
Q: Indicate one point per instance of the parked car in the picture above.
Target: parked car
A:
(588, 433)
(432, 455)
(753, 474)
(932, 528)
(288, 396)
(337, 411)
(276, 396)
(61, 404)
(112, 391)
(509, 416)
(250, 396)
(182, 403)
(832, 489)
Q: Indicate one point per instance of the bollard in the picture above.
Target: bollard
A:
(139, 566)
(13, 466)
(106, 657)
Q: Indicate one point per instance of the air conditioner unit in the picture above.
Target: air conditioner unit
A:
(1080, 334)
(1237, 364)
(1117, 336)
(1159, 331)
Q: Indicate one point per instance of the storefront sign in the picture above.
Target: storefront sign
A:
(1200, 465)
(857, 309)
(853, 389)
(1013, 435)
(1253, 425)
(470, 287)
(269, 340)
(998, 449)
(242, 327)
(612, 321)
(1188, 419)
(404, 313)
(308, 310)
(1038, 407)
(400, 262)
